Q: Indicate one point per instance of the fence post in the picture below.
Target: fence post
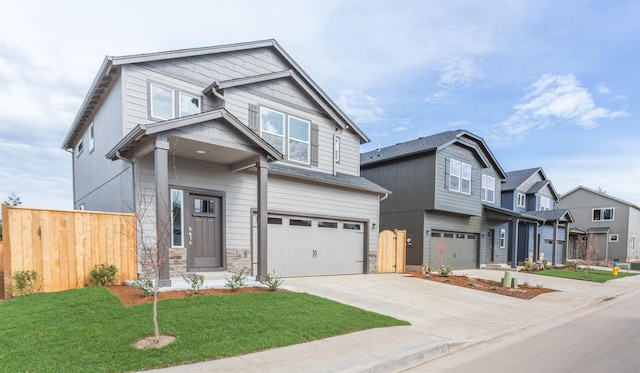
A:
(6, 253)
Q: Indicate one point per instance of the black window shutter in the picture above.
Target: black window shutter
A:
(314, 144)
(254, 118)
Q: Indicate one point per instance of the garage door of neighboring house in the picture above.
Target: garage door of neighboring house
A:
(302, 246)
(459, 249)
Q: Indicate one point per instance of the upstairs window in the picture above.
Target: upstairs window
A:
(522, 200)
(604, 214)
(79, 148)
(92, 138)
(488, 188)
(287, 134)
(166, 102)
(545, 203)
(459, 176)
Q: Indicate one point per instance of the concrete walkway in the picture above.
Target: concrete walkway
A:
(443, 318)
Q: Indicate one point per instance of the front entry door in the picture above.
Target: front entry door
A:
(490, 246)
(204, 233)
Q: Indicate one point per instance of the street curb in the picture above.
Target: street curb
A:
(406, 359)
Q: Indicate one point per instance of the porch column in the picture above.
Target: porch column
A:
(514, 247)
(263, 175)
(554, 246)
(536, 244)
(163, 208)
(565, 247)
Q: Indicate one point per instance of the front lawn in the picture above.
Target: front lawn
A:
(89, 330)
(595, 275)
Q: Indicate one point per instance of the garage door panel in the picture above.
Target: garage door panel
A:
(460, 249)
(314, 247)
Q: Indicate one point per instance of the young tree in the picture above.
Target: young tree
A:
(440, 250)
(154, 243)
(13, 200)
(587, 250)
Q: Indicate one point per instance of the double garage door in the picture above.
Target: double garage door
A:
(459, 250)
(301, 246)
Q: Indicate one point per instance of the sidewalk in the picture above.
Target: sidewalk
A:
(443, 318)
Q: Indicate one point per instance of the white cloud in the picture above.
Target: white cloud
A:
(359, 106)
(458, 72)
(557, 98)
(602, 89)
(436, 97)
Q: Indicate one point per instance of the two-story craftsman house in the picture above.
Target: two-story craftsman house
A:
(446, 194)
(235, 157)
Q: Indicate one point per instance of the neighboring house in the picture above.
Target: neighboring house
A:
(609, 224)
(446, 194)
(530, 193)
(237, 150)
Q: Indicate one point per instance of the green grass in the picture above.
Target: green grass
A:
(90, 330)
(595, 275)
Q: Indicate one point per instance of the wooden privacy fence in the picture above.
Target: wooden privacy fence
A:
(63, 246)
(392, 247)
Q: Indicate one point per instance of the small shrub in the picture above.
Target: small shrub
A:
(273, 282)
(571, 264)
(447, 280)
(539, 286)
(103, 274)
(545, 264)
(471, 281)
(529, 265)
(237, 280)
(194, 280)
(145, 285)
(24, 283)
(446, 271)
(494, 288)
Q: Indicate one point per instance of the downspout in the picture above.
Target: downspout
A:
(214, 90)
(382, 198)
(335, 134)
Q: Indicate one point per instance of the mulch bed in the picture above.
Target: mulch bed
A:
(523, 291)
(130, 296)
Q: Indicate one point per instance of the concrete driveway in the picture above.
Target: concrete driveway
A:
(443, 318)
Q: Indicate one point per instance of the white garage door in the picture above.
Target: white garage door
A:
(459, 250)
(300, 246)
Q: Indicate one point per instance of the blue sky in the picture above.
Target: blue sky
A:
(551, 84)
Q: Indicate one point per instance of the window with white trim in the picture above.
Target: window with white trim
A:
(503, 238)
(545, 203)
(614, 237)
(459, 176)
(165, 102)
(288, 134)
(603, 214)
(92, 138)
(488, 188)
(522, 200)
(177, 214)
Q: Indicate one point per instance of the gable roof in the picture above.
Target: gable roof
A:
(552, 215)
(138, 132)
(431, 144)
(580, 187)
(515, 179)
(110, 69)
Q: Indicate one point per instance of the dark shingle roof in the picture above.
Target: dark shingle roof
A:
(552, 215)
(516, 178)
(535, 188)
(420, 145)
(339, 179)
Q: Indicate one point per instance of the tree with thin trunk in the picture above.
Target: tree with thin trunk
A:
(587, 250)
(154, 243)
(440, 250)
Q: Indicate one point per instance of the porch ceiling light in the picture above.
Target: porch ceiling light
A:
(200, 151)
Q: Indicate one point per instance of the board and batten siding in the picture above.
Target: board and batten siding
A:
(237, 103)
(411, 180)
(99, 183)
(447, 200)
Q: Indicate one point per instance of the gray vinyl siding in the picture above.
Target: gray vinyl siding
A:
(527, 184)
(451, 201)
(581, 204)
(410, 179)
(99, 183)
(284, 195)
(237, 103)
(508, 200)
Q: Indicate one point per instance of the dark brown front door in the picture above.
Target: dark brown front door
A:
(204, 233)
